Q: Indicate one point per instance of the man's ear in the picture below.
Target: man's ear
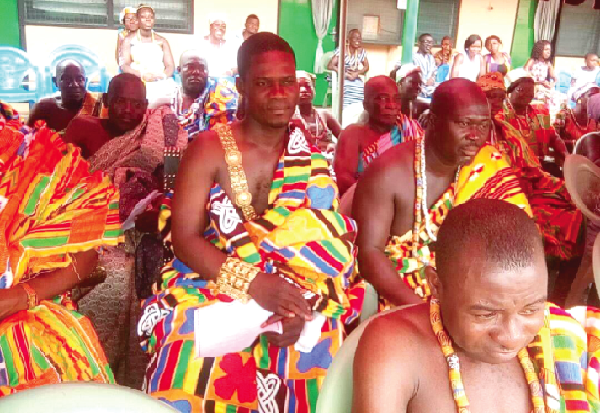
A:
(434, 281)
(55, 80)
(240, 85)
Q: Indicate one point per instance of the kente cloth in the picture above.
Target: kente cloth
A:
(222, 104)
(300, 235)
(488, 176)
(193, 119)
(574, 130)
(91, 104)
(50, 208)
(536, 127)
(566, 357)
(557, 217)
(405, 130)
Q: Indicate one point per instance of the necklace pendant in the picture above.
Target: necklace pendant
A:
(453, 362)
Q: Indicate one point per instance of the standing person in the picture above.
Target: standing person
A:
(488, 341)
(54, 214)
(541, 69)
(409, 80)
(127, 18)
(425, 60)
(496, 60)
(532, 120)
(320, 126)
(405, 194)
(220, 52)
(444, 56)
(74, 99)
(469, 64)
(356, 65)
(251, 27)
(254, 259)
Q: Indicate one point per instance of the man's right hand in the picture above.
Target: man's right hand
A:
(276, 295)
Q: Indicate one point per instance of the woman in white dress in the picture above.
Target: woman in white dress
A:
(469, 64)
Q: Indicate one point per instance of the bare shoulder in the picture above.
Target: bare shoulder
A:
(47, 103)
(395, 163)
(354, 130)
(205, 148)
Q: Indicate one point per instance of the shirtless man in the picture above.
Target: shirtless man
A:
(490, 294)
(127, 104)
(70, 80)
(384, 203)
(380, 101)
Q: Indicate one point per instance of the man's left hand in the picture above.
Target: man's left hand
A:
(292, 327)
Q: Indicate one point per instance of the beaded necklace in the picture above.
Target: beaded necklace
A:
(458, 388)
(421, 208)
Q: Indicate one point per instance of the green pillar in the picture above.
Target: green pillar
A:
(9, 29)
(523, 37)
(409, 30)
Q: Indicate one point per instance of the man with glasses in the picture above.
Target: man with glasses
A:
(405, 194)
(425, 60)
(57, 113)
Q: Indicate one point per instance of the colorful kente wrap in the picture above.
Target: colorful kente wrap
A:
(536, 128)
(300, 235)
(558, 219)
(406, 130)
(222, 103)
(488, 176)
(50, 207)
(566, 356)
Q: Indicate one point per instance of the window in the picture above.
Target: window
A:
(438, 18)
(171, 15)
(579, 30)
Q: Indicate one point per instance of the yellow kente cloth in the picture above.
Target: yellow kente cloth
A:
(488, 176)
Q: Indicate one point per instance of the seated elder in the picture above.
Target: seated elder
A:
(488, 340)
(74, 100)
(53, 215)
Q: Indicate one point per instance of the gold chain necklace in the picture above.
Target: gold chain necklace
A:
(458, 388)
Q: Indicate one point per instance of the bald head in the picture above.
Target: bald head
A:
(192, 54)
(126, 101)
(63, 64)
(455, 94)
(377, 84)
(380, 98)
(194, 73)
(70, 80)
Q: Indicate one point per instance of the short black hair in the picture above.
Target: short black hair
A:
(454, 93)
(588, 55)
(500, 232)
(252, 16)
(258, 44)
(537, 52)
(472, 39)
(421, 37)
(373, 83)
(490, 38)
(517, 82)
(446, 38)
(121, 79)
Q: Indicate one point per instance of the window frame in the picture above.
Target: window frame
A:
(453, 34)
(562, 26)
(111, 25)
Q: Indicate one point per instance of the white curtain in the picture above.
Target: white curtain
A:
(321, 12)
(545, 19)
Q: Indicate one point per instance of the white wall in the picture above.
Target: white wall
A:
(41, 40)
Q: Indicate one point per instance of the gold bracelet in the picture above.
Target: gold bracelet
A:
(32, 298)
(235, 277)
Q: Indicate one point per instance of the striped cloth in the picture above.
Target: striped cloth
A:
(353, 89)
(488, 176)
(566, 355)
(50, 207)
(558, 219)
(301, 236)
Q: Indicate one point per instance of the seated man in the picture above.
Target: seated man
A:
(128, 146)
(399, 222)
(262, 218)
(360, 144)
(191, 96)
(488, 327)
(74, 100)
(53, 215)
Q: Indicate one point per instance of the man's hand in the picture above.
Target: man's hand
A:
(278, 296)
(12, 300)
(430, 81)
(351, 75)
(292, 327)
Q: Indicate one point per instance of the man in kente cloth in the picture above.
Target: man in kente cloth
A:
(360, 144)
(488, 340)
(406, 193)
(249, 316)
(74, 99)
(53, 216)
(191, 95)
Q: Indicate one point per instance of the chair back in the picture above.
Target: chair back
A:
(582, 179)
(15, 69)
(336, 393)
(95, 71)
(442, 73)
(564, 82)
(82, 397)
(579, 148)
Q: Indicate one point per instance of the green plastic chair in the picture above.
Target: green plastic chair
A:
(336, 392)
(82, 397)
